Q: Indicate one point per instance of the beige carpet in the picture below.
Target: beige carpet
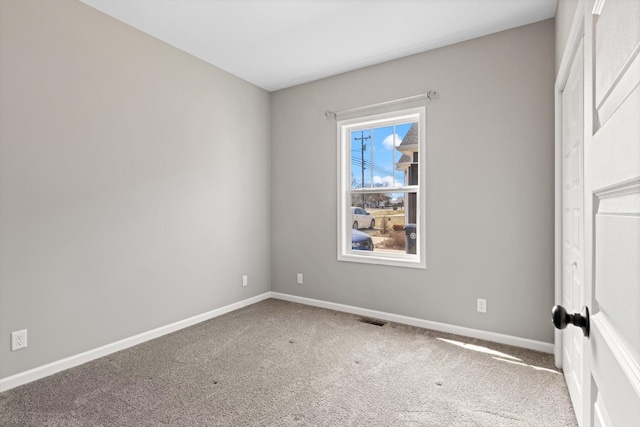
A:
(277, 363)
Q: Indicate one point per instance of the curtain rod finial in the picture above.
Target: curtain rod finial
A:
(329, 114)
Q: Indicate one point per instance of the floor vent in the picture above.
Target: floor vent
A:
(372, 321)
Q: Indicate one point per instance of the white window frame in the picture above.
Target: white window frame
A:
(345, 127)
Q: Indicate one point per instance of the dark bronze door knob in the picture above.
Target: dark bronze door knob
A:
(561, 319)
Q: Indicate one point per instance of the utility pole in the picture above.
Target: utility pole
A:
(363, 147)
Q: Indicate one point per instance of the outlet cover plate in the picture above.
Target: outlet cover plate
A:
(482, 305)
(299, 278)
(18, 340)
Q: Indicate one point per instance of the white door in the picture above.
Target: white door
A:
(572, 117)
(612, 198)
(603, 369)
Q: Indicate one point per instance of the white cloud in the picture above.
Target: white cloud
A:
(387, 180)
(388, 141)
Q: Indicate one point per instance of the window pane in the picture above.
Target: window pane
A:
(387, 225)
(360, 163)
(407, 149)
(382, 156)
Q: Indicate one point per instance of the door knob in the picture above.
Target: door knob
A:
(561, 319)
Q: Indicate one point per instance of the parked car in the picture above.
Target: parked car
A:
(361, 241)
(361, 218)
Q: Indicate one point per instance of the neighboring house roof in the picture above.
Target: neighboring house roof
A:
(410, 140)
(404, 162)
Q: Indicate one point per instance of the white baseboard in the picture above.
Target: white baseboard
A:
(436, 326)
(78, 359)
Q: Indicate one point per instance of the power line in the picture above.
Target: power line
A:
(359, 161)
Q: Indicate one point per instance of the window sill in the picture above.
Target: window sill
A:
(388, 260)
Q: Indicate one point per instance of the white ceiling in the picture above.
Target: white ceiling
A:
(276, 44)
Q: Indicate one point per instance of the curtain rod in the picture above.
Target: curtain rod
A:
(430, 94)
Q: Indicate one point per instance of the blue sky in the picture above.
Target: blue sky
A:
(379, 163)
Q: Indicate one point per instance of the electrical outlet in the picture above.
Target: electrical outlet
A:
(18, 340)
(299, 278)
(482, 305)
(245, 280)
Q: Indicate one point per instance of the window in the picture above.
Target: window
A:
(381, 189)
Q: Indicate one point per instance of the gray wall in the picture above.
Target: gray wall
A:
(489, 186)
(565, 11)
(134, 186)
